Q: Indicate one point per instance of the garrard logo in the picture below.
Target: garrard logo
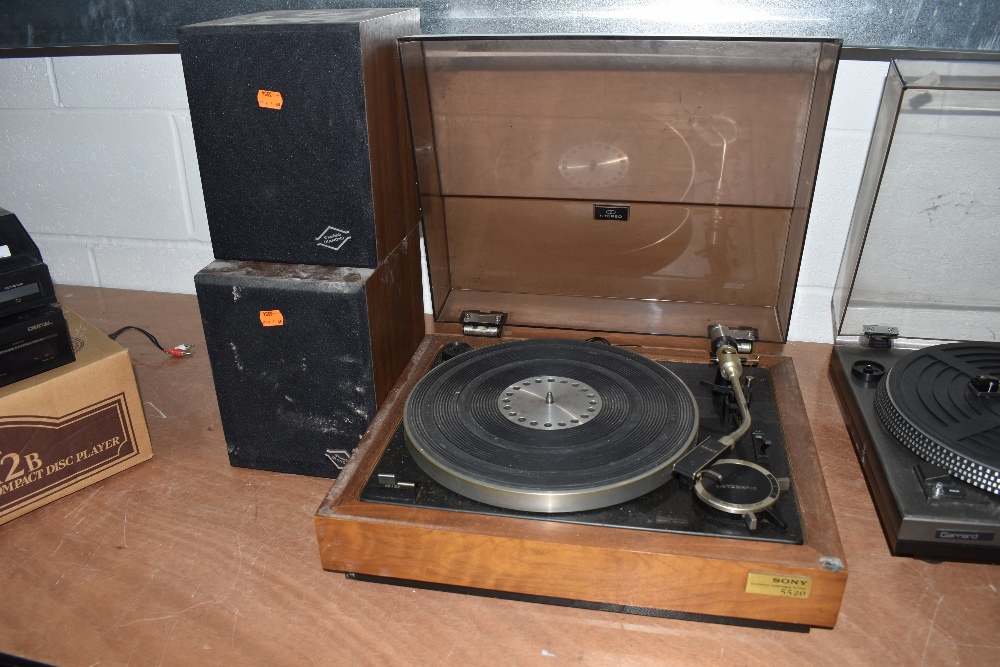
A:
(964, 535)
(333, 238)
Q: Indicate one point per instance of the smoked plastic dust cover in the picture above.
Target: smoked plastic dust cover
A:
(921, 254)
(617, 184)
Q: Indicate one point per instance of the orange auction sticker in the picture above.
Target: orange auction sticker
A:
(271, 318)
(269, 99)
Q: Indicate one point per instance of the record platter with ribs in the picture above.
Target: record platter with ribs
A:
(602, 416)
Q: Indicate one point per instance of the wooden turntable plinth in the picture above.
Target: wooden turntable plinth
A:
(796, 584)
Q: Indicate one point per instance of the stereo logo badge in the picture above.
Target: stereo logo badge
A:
(333, 238)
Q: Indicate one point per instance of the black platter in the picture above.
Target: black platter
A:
(943, 403)
(461, 451)
(926, 429)
(550, 425)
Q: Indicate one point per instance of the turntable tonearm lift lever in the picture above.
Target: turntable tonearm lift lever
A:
(725, 348)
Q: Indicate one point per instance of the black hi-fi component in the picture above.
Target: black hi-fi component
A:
(33, 342)
(33, 334)
(24, 278)
(300, 126)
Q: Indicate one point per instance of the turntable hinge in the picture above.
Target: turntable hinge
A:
(478, 323)
(745, 338)
(878, 336)
(741, 339)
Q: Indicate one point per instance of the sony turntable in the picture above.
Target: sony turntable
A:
(924, 414)
(463, 508)
(577, 192)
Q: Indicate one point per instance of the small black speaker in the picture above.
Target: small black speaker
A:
(303, 355)
(301, 132)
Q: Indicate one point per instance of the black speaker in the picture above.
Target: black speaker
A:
(301, 132)
(303, 355)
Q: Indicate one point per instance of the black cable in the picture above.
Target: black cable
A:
(179, 351)
(145, 333)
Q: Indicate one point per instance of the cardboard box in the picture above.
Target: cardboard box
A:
(69, 427)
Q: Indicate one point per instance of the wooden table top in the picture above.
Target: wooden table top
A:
(185, 560)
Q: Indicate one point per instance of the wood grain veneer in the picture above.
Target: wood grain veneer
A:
(393, 175)
(395, 313)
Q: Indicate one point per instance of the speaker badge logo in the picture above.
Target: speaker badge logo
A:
(338, 457)
(333, 238)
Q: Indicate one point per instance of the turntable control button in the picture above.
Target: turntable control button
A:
(760, 445)
(938, 484)
(932, 473)
(389, 480)
(387, 486)
(941, 491)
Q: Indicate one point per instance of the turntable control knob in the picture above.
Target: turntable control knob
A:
(867, 371)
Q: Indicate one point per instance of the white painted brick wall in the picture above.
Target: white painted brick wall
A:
(94, 173)
(26, 84)
(856, 96)
(97, 159)
(115, 82)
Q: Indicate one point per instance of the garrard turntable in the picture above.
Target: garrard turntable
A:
(917, 308)
(581, 198)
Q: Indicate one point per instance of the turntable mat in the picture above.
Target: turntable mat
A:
(458, 434)
(927, 402)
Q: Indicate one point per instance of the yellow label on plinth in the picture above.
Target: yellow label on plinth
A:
(779, 585)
